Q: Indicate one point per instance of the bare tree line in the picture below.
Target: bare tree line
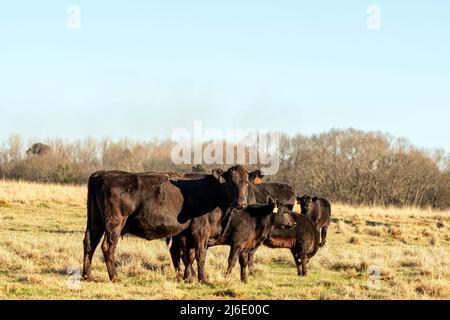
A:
(351, 166)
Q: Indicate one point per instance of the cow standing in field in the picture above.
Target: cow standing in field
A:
(271, 192)
(185, 245)
(212, 226)
(153, 206)
(194, 239)
(303, 240)
(248, 229)
(319, 211)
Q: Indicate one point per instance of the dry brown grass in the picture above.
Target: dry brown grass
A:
(37, 194)
(43, 228)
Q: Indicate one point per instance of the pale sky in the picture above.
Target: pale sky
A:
(144, 68)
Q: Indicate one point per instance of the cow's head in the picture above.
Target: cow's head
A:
(281, 217)
(306, 203)
(255, 177)
(236, 179)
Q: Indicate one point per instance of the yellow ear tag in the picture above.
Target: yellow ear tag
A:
(275, 210)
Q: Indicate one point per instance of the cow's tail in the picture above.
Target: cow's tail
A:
(93, 211)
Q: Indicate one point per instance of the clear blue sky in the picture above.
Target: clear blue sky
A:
(142, 68)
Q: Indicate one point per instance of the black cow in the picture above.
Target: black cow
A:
(214, 225)
(248, 229)
(303, 240)
(153, 206)
(319, 211)
(202, 229)
(271, 192)
(186, 244)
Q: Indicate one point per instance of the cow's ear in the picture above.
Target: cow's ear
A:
(217, 173)
(260, 210)
(255, 177)
(220, 175)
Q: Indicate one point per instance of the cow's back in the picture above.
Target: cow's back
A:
(149, 202)
(307, 235)
(304, 235)
(283, 193)
(322, 216)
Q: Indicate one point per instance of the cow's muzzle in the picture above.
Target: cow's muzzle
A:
(289, 226)
(241, 204)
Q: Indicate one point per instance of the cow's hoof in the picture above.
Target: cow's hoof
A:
(189, 280)
(115, 280)
(206, 282)
(87, 278)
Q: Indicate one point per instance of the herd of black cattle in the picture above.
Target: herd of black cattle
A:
(196, 211)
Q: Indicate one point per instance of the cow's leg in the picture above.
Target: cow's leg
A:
(298, 261)
(192, 253)
(251, 261)
(304, 259)
(175, 254)
(232, 259)
(243, 261)
(92, 238)
(188, 259)
(201, 248)
(109, 245)
(189, 263)
(324, 236)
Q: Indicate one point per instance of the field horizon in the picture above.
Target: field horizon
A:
(371, 253)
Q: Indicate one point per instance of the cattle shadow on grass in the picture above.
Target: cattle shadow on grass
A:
(282, 262)
(160, 268)
(64, 231)
(368, 223)
(126, 259)
(58, 271)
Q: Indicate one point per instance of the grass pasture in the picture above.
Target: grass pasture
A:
(42, 229)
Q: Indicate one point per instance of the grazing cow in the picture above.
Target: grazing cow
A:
(303, 240)
(153, 206)
(319, 211)
(248, 229)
